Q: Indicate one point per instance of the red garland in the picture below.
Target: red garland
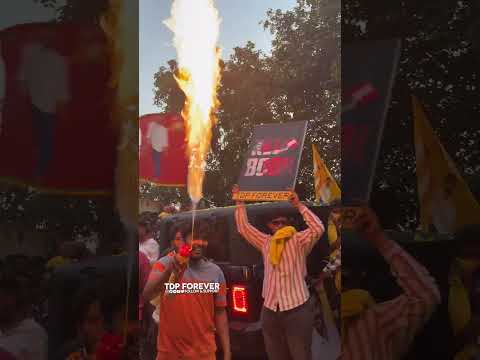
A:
(185, 251)
(110, 348)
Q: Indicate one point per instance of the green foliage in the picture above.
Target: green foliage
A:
(299, 80)
(439, 63)
(85, 11)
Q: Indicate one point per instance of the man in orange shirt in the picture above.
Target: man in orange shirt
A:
(189, 321)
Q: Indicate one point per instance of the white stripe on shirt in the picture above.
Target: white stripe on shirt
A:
(386, 330)
(284, 285)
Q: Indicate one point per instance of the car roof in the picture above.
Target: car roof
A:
(253, 209)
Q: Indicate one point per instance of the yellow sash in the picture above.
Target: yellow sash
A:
(277, 243)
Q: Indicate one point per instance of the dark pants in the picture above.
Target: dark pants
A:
(288, 334)
(43, 126)
(156, 156)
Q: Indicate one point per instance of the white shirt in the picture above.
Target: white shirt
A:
(27, 341)
(151, 249)
(45, 74)
(158, 136)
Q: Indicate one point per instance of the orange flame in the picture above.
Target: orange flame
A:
(196, 27)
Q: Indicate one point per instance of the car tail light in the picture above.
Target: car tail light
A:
(240, 299)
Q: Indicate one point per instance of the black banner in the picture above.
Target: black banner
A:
(368, 72)
(272, 161)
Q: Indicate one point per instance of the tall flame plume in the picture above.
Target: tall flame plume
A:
(196, 27)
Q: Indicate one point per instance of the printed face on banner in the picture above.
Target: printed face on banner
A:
(272, 161)
(162, 149)
(58, 96)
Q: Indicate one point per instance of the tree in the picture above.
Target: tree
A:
(298, 81)
(439, 64)
(78, 10)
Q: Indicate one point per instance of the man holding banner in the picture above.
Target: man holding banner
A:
(285, 292)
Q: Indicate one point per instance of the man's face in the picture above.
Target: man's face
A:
(178, 241)
(199, 247)
(277, 223)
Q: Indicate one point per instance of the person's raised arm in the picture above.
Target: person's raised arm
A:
(159, 275)
(315, 228)
(250, 233)
(404, 316)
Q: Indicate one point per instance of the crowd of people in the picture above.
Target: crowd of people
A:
(371, 328)
(186, 326)
(191, 325)
(92, 316)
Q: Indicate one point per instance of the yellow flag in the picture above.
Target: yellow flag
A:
(446, 202)
(326, 188)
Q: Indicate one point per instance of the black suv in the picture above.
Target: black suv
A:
(242, 265)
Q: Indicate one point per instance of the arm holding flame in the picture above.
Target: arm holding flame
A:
(166, 270)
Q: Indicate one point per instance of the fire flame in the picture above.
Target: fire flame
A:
(196, 27)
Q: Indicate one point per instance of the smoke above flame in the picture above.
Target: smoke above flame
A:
(196, 27)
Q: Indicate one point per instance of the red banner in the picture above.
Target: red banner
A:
(162, 150)
(56, 131)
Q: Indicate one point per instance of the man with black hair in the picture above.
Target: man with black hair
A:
(87, 325)
(178, 235)
(147, 244)
(285, 292)
(189, 321)
(20, 335)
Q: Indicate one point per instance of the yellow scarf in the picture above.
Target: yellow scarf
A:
(459, 303)
(277, 243)
(57, 261)
(163, 215)
(353, 303)
(332, 232)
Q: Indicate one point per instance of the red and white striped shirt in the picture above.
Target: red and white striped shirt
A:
(283, 285)
(386, 330)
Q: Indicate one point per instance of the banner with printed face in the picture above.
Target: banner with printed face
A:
(368, 72)
(272, 162)
(56, 129)
(162, 156)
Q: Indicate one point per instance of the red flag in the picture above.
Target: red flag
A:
(162, 150)
(56, 131)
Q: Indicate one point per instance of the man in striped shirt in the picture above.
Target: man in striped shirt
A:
(287, 314)
(385, 331)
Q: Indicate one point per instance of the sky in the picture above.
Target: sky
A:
(240, 23)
